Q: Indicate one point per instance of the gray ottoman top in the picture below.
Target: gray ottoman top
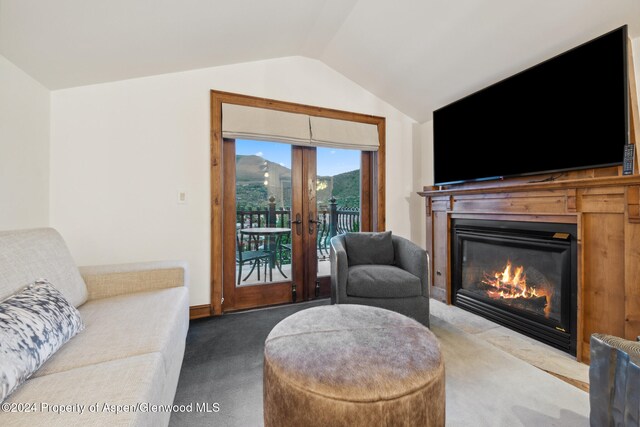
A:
(354, 352)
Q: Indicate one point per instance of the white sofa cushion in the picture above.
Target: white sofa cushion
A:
(123, 326)
(34, 324)
(27, 255)
(130, 381)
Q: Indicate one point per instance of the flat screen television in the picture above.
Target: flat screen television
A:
(568, 112)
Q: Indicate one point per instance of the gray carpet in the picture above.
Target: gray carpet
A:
(485, 386)
(223, 364)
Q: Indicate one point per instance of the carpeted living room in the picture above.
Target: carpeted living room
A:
(494, 377)
(319, 213)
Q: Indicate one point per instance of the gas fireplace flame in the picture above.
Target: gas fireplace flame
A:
(511, 283)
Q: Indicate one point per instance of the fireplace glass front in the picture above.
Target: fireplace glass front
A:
(519, 274)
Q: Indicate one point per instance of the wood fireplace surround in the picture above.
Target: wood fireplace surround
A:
(603, 204)
(605, 208)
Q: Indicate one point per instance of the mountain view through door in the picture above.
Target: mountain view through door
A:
(264, 199)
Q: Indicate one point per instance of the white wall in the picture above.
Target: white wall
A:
(421, 167)
(24, 149)
(426, 135)
(121, 151)
(422, 176)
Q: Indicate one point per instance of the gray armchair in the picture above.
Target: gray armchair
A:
(381, 270)
(614, 381)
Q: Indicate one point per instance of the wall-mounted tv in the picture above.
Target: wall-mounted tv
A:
(568, 112)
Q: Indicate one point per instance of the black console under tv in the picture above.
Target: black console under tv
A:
(568, 112)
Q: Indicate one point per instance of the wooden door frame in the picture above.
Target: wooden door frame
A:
(252, 296)
(372, 184)
(309, 210)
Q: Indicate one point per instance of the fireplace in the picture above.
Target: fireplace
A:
(521, 275)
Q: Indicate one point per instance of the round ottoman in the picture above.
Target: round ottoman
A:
(352, 365)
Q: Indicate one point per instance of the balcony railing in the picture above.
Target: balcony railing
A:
(333, 219)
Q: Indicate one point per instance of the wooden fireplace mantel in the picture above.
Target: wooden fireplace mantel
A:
(605, 207)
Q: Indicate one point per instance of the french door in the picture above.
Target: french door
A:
(282, 204)
(274, 217)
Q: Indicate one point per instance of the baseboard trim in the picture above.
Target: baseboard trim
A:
(199, 311)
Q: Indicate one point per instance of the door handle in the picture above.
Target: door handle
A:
(311, 222)
(298, 223)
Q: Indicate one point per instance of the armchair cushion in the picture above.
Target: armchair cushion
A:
(369, 248)
(382, 281)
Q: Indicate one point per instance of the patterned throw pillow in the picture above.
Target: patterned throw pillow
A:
(34, 324)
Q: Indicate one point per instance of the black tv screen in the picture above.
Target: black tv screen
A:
(568, 112)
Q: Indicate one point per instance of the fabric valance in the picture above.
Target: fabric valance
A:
(262, 124)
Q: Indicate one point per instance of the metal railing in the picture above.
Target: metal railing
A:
(332, 220)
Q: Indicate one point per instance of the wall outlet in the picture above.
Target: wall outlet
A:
(182, 197)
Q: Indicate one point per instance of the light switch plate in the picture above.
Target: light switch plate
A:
(182, 197)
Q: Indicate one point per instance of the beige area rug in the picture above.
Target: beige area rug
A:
(528, 349)
(491, 379)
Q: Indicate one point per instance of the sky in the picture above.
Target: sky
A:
(331, 161)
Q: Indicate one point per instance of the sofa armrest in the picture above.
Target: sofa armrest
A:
(104, 281)
(412, 258)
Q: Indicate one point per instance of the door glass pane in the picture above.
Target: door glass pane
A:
(338, 195)
(263, 207)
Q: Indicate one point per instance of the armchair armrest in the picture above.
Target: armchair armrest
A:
(339, 269)
(105, 281)
(412, 258)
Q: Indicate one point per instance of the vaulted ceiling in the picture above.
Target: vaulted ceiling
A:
(417, 55)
